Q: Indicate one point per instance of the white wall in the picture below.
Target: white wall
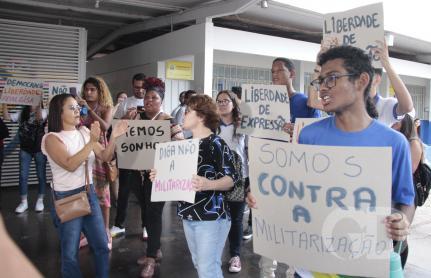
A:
(119, 67)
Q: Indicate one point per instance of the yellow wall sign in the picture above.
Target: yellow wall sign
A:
(179, 70)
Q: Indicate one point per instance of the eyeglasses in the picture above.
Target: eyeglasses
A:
(74, 108)
(330, 81)
(223, 101)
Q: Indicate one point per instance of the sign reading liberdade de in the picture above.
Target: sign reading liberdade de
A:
(264, 111)
(321, 208)
(360, 27)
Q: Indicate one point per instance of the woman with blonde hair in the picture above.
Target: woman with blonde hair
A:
(97, 100)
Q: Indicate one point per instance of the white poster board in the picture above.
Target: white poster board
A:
(321, 208)
(176, 163)
(63, 88)
(22, 91)
(264, 111)
(136, 149)
(300, 123)
(359, 27)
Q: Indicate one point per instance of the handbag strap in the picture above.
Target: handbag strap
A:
(87, 177)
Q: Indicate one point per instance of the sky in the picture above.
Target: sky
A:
(411, 18)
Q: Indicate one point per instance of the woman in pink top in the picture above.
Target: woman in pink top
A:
(67, 149)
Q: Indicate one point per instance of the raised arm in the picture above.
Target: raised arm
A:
(405, 102)
(57, 151)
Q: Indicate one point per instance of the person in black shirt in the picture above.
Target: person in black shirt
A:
(207, 222)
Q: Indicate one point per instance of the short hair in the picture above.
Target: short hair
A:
(206, 109)
(139, 77)
(378, 71)
(104, 95)
(286, 62)
(55, 123)
(155, 84)
(356, 62)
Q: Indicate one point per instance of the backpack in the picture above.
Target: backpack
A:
(237, 193)
(422, 183)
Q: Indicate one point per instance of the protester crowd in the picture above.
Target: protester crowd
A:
(76, 136)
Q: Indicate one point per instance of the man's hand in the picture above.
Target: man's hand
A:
(288, 127)
(131, 113)
(397, 226)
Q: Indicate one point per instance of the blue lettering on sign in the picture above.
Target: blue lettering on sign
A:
(332, 196)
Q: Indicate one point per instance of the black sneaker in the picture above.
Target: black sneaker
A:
(248, 233)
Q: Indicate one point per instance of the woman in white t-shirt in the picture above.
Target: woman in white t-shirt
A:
(67, 149)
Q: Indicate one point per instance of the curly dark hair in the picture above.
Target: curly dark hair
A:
(206, 109)
(155, 84)
(356, 62)
(235, 111)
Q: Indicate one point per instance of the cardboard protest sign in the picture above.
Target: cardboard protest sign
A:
(264, 111)
(321, 208)
(22, 91)
(359, 27)
(176, 163)
(136, 149)
(300, 123)
(63, 88)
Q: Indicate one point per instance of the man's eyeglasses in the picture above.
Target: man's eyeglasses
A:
(74, 108)
(330, 81)
(223, 101)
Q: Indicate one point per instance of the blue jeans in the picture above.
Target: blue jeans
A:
(93, 228)
(206, 241)
(24, 169)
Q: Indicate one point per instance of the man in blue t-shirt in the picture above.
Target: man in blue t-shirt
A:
(344, 84)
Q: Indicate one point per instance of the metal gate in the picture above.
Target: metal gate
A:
(52, 53)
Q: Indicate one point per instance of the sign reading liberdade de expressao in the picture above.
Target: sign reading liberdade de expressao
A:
(264, 111)
(321, 208)
(22, 91)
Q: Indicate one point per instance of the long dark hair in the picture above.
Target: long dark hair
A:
(55, 124)
(408, 127)
(25, 114)
(235, 111)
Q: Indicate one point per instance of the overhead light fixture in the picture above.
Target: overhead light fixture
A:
(264, 4)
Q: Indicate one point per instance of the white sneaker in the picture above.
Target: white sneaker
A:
(39, 205)
(23, 206)
(144, 234)
(235, 265)
(116, 231)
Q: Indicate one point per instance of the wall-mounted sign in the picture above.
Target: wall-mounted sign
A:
(182, 70)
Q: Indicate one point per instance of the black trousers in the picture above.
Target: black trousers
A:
(153, 218)
(129, 180)
(235, 233)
